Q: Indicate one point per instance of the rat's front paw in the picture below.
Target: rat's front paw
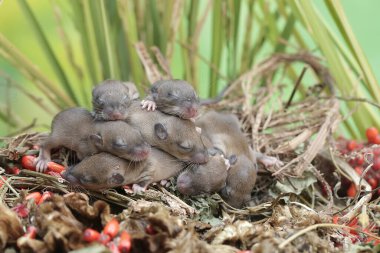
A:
(137, 189)
(41, 165)
(149, 105)
(270, 161)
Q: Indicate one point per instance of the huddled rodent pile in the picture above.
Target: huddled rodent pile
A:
(127, 141)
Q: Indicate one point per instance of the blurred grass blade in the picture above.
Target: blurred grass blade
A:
(337, 67)
(341, 21)
(82, 21)
(48, 50)
(55, 95)
(128, 18)
(109, 54)
(217, 44)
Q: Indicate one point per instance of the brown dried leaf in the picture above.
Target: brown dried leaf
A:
(79, 202)
(31, 245)
(10, 226)
(57, 225)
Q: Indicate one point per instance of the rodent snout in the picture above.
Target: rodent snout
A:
(115, 115)
(184, 184)
(200, 158)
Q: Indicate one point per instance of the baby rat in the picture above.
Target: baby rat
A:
(174, 97)
(103, 170)
(205, 178)
(173, 135)
(224, 132)
(76, 129)
(111, 99)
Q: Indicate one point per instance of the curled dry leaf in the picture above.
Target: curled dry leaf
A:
(57, 225)
(79, 202)
(10, 226)
(31, 245)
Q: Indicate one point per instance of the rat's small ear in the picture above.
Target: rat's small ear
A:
(232, 159)
(160, 131)
(116, 179)
(133, 93)
(97, 140)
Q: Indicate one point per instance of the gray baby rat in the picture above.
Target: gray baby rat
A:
(76, 129)
(103, 170)
(173, 135)
(111, 99)
(174, 97)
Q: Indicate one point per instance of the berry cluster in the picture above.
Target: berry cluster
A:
(362, 156)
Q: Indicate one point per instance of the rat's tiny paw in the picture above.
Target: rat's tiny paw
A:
(128, 189)
(41, 165)
(149, 105)
(165, 183)
(137, 189)
(270, 161)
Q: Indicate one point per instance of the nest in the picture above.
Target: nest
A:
(286, 216)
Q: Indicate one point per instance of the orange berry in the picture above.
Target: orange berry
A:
(46, 195)
(376, 140)
(34, 195)
(125, 242)
(335, 219)
(52, 166)
(351, 191)
(371, 134)
(27, 161)
(90, 235)
(112, 228)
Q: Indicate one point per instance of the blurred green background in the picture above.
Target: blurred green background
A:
(226, 42)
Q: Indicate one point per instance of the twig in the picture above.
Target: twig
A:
(296, 87)
(354, 99)
(321, 225)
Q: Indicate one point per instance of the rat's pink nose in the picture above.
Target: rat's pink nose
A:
(116, 116)
(192, 112)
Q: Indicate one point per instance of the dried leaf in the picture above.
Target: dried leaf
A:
(10, 226)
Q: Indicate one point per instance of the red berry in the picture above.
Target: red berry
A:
(90, 235)
(359, 170)
(371, 134)
(113, 248)
(373, 182)
(335, 219)
(46, 195)
(4, 178)
(376, 140)
(359, 160)
(27, 161)
(376, 151)
(31, 232)
(351, 145)
(150, 230)
(34, 195)
(112, 228)
(104, 238)
(125, 242)
(13, 170)
(351, 191)
(376, 163)
(21, 210)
